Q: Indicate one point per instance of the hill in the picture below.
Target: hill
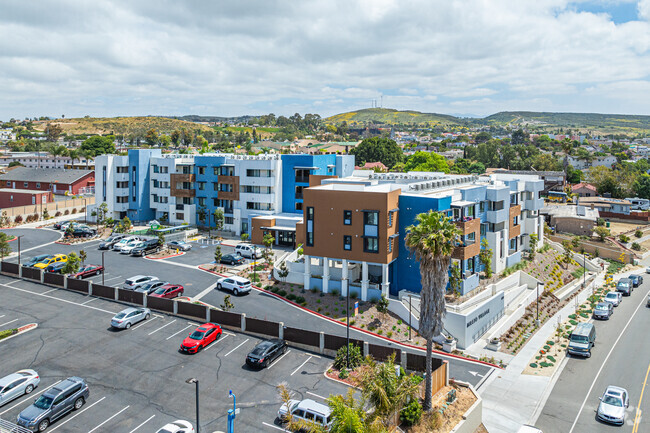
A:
(390, 116)
(603, 123)
(121, 125)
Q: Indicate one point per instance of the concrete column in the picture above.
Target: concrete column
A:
(281, 330)
(447, 372)
(243, 322)
(20, 269)
(42, 277)
(175, 306)
(384, 280)
(116, 296)
(207, 313)
(321, 346)
(364, 281)
(326, 275)
(366, 349)
(65, 283)
(307, 276)
(403, 359)
(144, 300)
(344, 278)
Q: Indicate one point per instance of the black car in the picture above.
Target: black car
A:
(36, 259)
(150, 246)
(266, 352)
(82, 232)
(107, 243)
(232, 259)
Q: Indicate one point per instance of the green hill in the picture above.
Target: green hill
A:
(582, 121)
(121, 125)
(392, 117)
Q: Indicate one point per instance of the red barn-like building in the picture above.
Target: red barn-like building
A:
(50, 179)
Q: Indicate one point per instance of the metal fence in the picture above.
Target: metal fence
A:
(9, 427)
(10, 268)
(78, 285)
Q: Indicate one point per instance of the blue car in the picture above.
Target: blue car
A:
(55, 268)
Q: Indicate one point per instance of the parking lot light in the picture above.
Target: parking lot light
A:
(103, 268)
(195, 381)
(19, 248)
(232, 413)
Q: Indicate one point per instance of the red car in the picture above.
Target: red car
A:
(168, 291)
(201, 338)
(88, 271)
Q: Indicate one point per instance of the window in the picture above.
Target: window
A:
(187, 200)
(470, 265)
(244, 226)
(9, 182)
(471, 238)
(347, 217)
(155, 184)
(186, 169)
(38, 185)
(134, 178)
(258, 173)
(470, 211)
(201, 201)
(180, 216)
(456, 214)
(371, 245)
(228, 220)
(310, 226)
(298, 206)
(11, 198)
(215, 171)
(156, 169)
(515, 220)
(483, 229)
(513, 244)
(227, 171)
(201, 186)
(347, 243)
(299, 192)
(482, 207)
(201, 170)
(371, 218)
(26, 184)
(155, 198)
(122, 169)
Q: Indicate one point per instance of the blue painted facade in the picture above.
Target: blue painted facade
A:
(325, 165)
(210, 191)
(139, 183)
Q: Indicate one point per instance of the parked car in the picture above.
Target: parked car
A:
(88, 271)
(637, 280)
(236, 285)
(232, 259)
(603, 310)
(51, 260)
(151, 286)
(648, 302)
(307, 411)
(168, 291)
(134, 282)
(147, 247)
(18, 384)
(108, 243)
(55, 268)
(179, 245)
(69, 395)
(178, 426)
(614, 297)
(647, 270)
(266, 352)
(125, 240)
(582, 339)
(201, 338)
(37, 259)
(247, 250)
(81, 232)
(625, 286)
(613, 403)
(126, 249)
(62, 225)
(130, 316)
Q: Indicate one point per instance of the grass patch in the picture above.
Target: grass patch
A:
(8, 333)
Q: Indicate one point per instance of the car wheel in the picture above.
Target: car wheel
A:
(147, 316)
(588, 354)
(128, 325)
(43, 425)
(199, 349)
(29, 389)
(219, 286)
(97, 273)
(79, 403)
(235, 292)
(284, 350)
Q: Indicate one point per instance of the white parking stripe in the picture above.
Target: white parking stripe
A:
(2, 316)
(89, 301)
(113, 278)
(237, 347)
(58, 299)
(31, 395)
(146, 421)
(91, 431)
(176, 333)
(6, 323)
(215, 342)
(164, 326)
(275, 427)
(45, 293)
(316, 395)
(144, 322)
(301, 365)
(76, 415)
(278, 360)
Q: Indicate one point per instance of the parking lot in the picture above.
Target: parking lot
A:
(137, 376)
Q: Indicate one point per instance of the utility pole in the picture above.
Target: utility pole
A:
(196, 382)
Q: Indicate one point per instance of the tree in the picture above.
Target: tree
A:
(518, 137)
(382, 306)
(83, 256)
(202, 213)
(57, 151)
(642, 186)
(295, 424)
(126, 224)
(53, 131)
(5, 248)
(455, 278)
(283, 271)
(426, 161)
(376, 149)
(151, 137)
(218, 219)
(432, 240)
(98, 145)
(227, 304)
(482, 137)
(71, 265)
(217, 254)
(533, 245)
(268, 240)
(15, 164)
(485, 257)
(73, 154)
(161, 239)
(567, 255)
(476, 168)
(546, 162)
(102, 210)
(601, 232)
(348, 415)
(175, 137)
(243, 237)
(165, 141)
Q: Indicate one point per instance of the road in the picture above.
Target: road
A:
(621, 357)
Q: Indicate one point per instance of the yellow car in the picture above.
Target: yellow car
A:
(59, 258)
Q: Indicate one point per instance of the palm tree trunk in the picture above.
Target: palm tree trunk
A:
(426, 406)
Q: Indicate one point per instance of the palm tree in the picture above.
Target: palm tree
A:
(57, 151)
(567, 147)
(432, 240)
(347, 414)
(73, 154)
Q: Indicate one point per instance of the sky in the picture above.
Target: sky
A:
(465, 57)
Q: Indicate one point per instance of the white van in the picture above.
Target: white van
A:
(247, 250)
(307, 410)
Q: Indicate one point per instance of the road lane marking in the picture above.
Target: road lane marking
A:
(278, 360)
(80, 412)
(205, 292)
(176, 333)
(275, 427)
(299, 367)
(215, 342)
(164, 326)
(2, 316)
(91, 431)
(240, 345)
(146, 421)
(6, 323)
(316, 395)
(59, 299)
(643, 302)
(144, 322)
(637, 417)
(31, 395)
(89, 301)
(51, 290)
(114, 278)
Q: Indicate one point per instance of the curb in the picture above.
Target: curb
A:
(21, 330)
(165, 257)
(342, 382)
(15, 237)
(192, 301)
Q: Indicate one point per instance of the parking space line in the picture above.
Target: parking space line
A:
(176, 333)
(2, 316)
(144, 322)
(146, 421)
(274, 426)
(164, 326)
(316, 395)
(240, 345)
(76, 415)
(51, 290)
(6, 323)
(13, 282)
(31, 395)
(114, 278)
(89, 301)
(225, 332)
(114, 415)
(278, 360)
(301, 365)
(215, 342)
(58, 299)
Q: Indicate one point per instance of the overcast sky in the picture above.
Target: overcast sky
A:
(164, 57)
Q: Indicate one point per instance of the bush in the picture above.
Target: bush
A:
(67, 212)
(18, 219)
(282, 293)
(411, 413)
(314, 290)
(58, 213)
(275, 289)
(300, 299)
(291, 297)
(624, 238)
(353, 295)
(74, 210)
(356, 357)
(636, 246)
(343, 374)
(638, 233)
(335, 292)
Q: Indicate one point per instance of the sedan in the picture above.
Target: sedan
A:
(178, 426)
(88, 271)
(236, 285)
(603, 310)
(201, 338)
(232, 259)
(37, 259)
(126, 249)
(179, 245)
(613, 404)
(168, 291)
(266, 352)
(55, 268)
(17, 384)
(151, 286)
(636, 280)
(130, 316)
(614, 297)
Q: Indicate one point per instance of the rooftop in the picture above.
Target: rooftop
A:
(23, 191)
(45, 175)
(580, 212)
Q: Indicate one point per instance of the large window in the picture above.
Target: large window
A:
(201, 186)
(347, 217)
(201, 170)
(258, 173)
(347, 243)
(201, 201)
(371, 245)
(310, 226)
(371, 218)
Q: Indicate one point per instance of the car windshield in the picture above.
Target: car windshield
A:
(120, 315)
(579, 338)
(611, 295)
(197, 335)
(160, 291)
(612, 401)
(43, 402)
(621, 284)
(602, 307)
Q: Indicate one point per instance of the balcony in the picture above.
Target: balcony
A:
(496, 216)
(533, 204)
(302, 179)
(121, 177)
(180, 177)
(466, 250)
(471, 225)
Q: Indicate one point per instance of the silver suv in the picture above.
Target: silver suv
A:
(71, 394)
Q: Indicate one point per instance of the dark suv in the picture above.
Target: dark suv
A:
(82, 232)
(69, 395)
(150, 246)
(108, 243)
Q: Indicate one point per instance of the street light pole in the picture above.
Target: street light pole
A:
(232, 413)
(410, 298)
(196, 382)
(347, 310)
(103, 267)
(19, 248)
(537, 304)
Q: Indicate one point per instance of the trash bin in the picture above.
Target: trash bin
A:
(607, 223)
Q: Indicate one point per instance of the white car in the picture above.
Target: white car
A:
(647, 270)
(17, 384)
(178, 426)
(126, 249)
(236, 285)
(614, 298)
(249, 251)
(118, 246)
(139, 280)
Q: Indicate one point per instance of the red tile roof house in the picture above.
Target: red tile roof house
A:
(372, 166)
(57, 180)
(584, 190)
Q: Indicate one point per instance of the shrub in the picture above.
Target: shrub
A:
(343, 374)
(638, 233)
(18, 219)
(314, 290)
(624, 238)
(379, 332)
(411, 413)
(389, 334)
(275, 289)
(636, 246)
(300, 299)
(74, 210)
(335, 292)
(291, 297)
(282, 293)
(354, 295)
(67, 212)
(356, 357)
(57, 214)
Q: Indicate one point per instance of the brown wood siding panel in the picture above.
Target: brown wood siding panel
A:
(161, 304)
(514, 231)
(179, 177)
(225, 318)
(130, 296)
(10, 268)
(473, 226)
(193, 310)
(317, 179)
(229, 180)
(467, 227)
(257, 234)
(99, 290)
(263, 327)
(78, 285)
(54, 279)
(32, 273)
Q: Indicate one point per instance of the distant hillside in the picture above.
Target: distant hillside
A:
(196, 118)
(392, 117)
(583, 121)
(120, 125)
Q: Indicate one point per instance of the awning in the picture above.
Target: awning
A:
(280, 228)
(394, 210)
(462, 203)
(396, 235)
(227, 165)
(305, 168)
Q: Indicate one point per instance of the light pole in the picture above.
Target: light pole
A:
(19, 248)
(584, 269)
(196, 382)
(103, 267)
(347, 328)
(410, 297)
(232, 413)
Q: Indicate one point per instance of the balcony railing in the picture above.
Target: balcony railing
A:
(302, 179)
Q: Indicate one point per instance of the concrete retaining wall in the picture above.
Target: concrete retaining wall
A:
(473, 418)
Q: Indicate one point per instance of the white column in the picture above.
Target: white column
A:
(326, 274)
(384, 280)
(364, 281)
(307, 277)
(344, 278)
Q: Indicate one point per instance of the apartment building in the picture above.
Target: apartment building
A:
(45, 160)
